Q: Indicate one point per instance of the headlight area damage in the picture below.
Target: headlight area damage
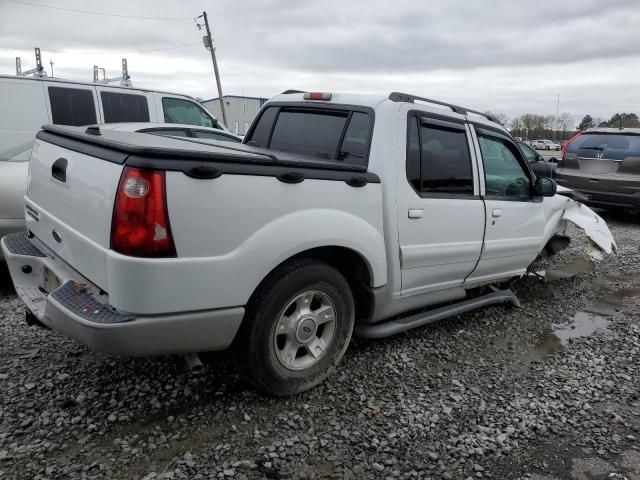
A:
(595, 228)
(599, 238)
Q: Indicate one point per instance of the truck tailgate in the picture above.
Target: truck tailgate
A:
(69, 206)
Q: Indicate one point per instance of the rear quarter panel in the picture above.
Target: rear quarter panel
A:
(230, 232)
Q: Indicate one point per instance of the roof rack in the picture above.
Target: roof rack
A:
(287, 92)
(407, 97)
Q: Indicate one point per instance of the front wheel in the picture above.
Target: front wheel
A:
(296, 328)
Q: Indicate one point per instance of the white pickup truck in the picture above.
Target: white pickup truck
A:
(339, 214)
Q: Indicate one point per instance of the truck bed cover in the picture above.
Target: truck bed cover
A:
(120, 147)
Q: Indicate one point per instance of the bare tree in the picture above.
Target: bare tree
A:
(502, 118)
(565, 121)
(550, 123)
(516, 125)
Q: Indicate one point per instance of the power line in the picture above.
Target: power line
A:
(89, 12)
(107, 52)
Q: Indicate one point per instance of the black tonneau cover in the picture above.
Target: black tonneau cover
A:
(118, 146)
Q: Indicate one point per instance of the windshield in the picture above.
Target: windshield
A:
(178, 110)
(606, 145)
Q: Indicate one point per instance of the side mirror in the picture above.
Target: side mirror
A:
(545, 187)
(539, 158)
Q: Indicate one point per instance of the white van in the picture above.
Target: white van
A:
(27, 103)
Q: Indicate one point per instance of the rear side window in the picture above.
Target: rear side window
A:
(178, 110)
(438, 158)
(262, 131)
(72, 106)
(124, 107)
(323, 133)
(606, 146)
(355, 145)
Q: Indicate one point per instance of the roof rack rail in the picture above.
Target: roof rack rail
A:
(287, 92)
(407, 97)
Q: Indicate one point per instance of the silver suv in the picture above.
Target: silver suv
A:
(604, 164)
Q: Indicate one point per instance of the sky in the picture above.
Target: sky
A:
(511, 57)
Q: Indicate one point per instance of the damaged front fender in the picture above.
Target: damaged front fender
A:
(566, 206)
(594, 227)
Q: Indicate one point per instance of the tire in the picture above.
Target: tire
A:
(282, 364)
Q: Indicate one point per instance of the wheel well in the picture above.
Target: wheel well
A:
(354, 269)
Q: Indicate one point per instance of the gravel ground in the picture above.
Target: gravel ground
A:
(500, 393)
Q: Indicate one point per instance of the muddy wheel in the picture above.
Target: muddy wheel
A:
(296, 328)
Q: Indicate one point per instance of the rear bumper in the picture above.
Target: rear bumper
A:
(609, 198)
(81, 311)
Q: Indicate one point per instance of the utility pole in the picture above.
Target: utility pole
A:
(558, 106)
(208, 43)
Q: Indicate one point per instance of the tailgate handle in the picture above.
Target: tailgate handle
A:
(203, 172)
(59, 169)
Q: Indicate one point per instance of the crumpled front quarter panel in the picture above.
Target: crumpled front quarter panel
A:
(594, 226)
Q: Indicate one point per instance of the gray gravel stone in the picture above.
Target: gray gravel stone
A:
(466, 397)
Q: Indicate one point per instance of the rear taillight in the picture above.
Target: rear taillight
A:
(140, 225)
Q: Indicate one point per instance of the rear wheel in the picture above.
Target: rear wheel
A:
(296, 329)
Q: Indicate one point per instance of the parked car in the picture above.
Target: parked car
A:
(604, 165)
(14, 171)
(537, 163)
(544, 145)
(567, 142)
(284, 246)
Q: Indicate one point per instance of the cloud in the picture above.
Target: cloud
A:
(508, 56)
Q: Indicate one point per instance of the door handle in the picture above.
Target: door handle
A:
(497, 212)
(415, 212)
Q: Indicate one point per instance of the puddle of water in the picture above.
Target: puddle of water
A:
(579, 266)
(548, 343)
(583, 324)
(614, 297)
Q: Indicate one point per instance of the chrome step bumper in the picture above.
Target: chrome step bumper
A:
(81, 310)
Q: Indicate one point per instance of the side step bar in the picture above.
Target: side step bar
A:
(397, 325)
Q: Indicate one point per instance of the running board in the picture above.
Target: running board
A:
(397, 325)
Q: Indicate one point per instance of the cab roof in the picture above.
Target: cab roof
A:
(373, 101)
